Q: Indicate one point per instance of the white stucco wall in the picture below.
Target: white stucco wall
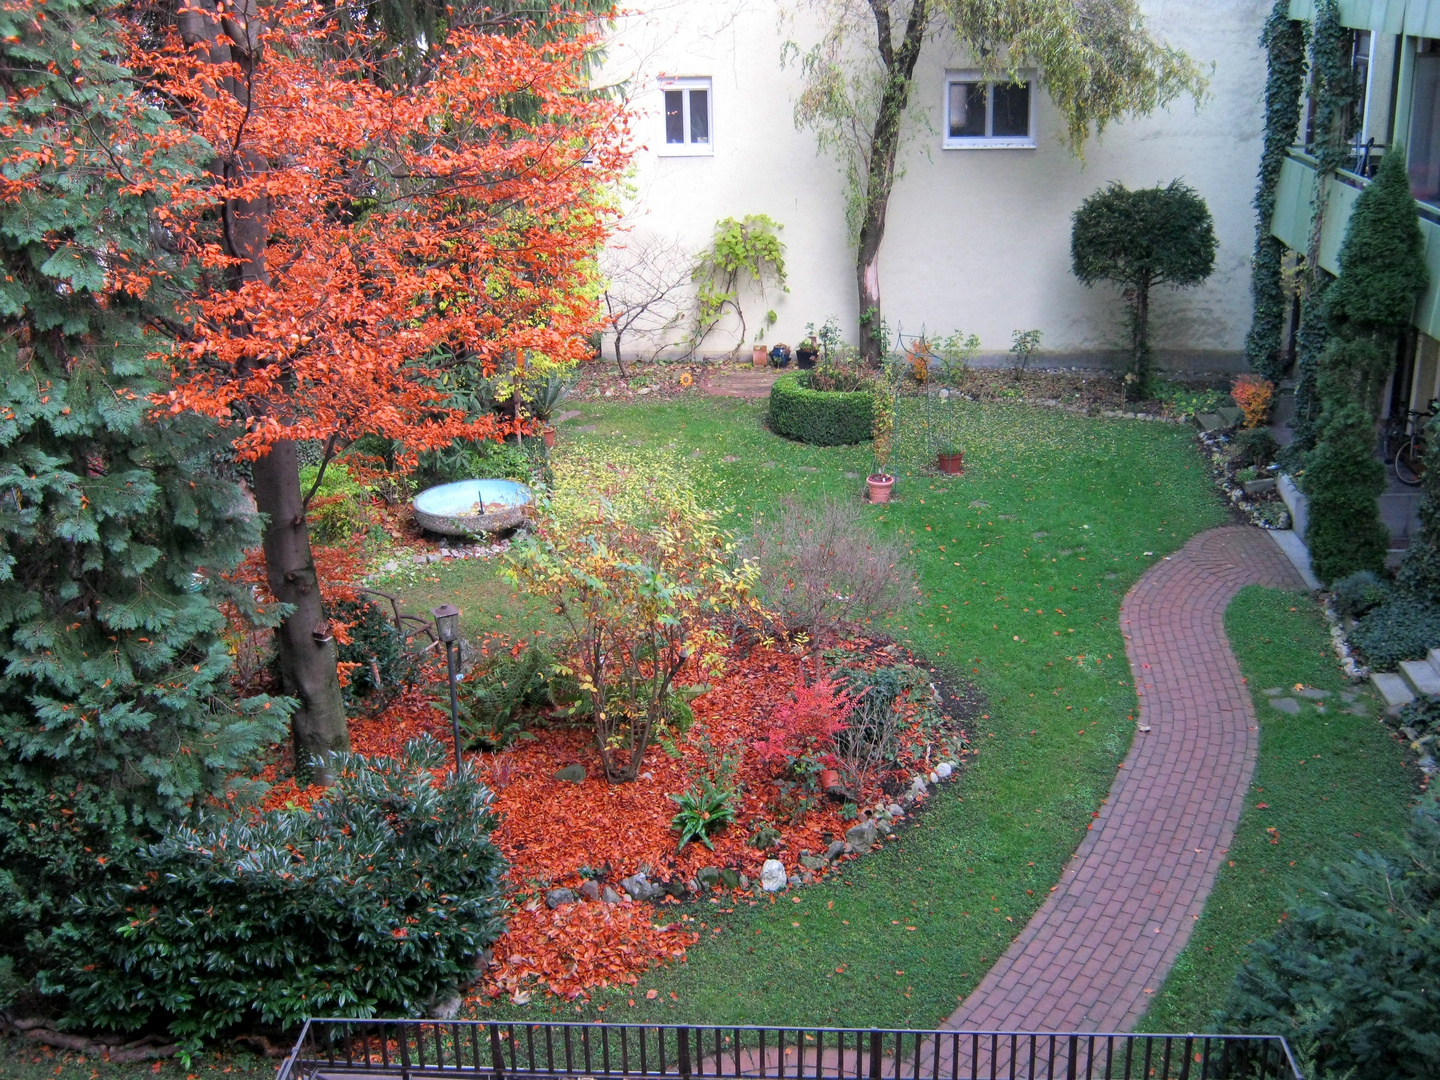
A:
(977, 240)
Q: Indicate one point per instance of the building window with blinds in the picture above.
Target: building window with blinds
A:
(990, 116)
(689, 122)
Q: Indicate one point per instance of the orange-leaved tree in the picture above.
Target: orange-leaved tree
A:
(357, 237)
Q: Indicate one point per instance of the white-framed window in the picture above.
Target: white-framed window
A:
(688, 116)
(988, 116)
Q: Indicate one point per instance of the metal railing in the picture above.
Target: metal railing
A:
(499, 1050)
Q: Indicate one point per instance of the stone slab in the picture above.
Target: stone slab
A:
(1287, 705)
(1393, 689)
(1299, 555)
(1260, 487)
(1421, 677)
(1209, 422)
(1434, 658)
(1230, 414)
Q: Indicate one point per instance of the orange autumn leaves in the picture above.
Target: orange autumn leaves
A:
(407, 228)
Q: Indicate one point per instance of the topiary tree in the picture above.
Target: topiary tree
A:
(1139, 240)
(1382, 271)
(1382, 261)
(1345, 478)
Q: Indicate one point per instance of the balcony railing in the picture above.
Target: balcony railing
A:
(493, 1050)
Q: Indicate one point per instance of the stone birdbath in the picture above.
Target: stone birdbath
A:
(473, 506)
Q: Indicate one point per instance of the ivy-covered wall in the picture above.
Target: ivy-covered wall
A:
(1284, 40)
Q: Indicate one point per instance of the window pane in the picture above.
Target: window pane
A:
(699, 116)
(674, 122)
(1424, 146)
(967, 110)
(1012, 109)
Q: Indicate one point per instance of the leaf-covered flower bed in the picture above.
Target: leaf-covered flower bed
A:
(560, 834)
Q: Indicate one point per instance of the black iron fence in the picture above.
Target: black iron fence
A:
(494, 1050)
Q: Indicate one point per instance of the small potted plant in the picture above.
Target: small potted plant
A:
(950, 458)
(806, 352)
(881, 481)
(780, 356)
(547, 398)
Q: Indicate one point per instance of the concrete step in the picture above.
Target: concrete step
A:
(1420, 677)
(1434, 658)
(1393, 689)
(1230, 414)
(1209, 421)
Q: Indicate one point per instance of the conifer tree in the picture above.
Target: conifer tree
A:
(115, 711)
(1382, 271)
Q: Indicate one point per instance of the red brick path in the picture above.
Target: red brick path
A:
(1130, 895)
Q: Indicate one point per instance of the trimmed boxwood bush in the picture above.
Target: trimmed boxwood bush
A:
(820, 417)
(1402, 629)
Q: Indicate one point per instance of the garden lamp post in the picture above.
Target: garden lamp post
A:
(447, 626)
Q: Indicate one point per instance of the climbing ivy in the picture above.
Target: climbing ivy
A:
(751, 248)
(1284, 41)
(1334, 87)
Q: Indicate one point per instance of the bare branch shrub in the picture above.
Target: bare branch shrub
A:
(648, 283)
(823, 569)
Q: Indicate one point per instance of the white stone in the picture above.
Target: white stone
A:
(772, 875)
(944, 769)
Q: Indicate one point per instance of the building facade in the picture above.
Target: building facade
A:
(979, 224)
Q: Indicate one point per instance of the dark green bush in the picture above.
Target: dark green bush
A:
(375, 642)
(1353, 974)
(1402, 629)
(1420, 572)
(376, 901)
(1345, 533)
(1253, 446)
(820, 417)
(1358, 593)
(1421, 716)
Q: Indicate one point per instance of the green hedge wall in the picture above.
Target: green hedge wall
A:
(823, 418)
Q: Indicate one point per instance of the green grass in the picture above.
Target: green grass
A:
(1010, 609)
(486, 600)
(1331, 783)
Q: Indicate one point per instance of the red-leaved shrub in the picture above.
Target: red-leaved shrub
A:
(810, 722)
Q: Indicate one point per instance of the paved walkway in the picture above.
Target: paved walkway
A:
(1130, 895)
(741, 382)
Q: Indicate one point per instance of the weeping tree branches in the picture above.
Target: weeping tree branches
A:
(1096, 59)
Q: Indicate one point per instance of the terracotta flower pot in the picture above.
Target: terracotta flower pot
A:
(759, 356)
(880, 485)
(954, 464)
(548, 434)
(828, 779)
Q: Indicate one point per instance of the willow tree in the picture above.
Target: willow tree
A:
(1096, 59)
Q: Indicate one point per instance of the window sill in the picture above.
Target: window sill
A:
(987, 144)
(684, 150)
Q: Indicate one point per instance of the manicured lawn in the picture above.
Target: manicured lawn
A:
(1330, 783)
(1022, 563)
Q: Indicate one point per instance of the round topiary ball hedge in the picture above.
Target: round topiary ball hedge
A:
(820, 417)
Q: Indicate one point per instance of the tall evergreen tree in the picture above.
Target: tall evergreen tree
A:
(1382, 271)
(115, 531)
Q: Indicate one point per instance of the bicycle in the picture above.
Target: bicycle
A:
(1409, 459)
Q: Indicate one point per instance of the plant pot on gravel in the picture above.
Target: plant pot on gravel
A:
(880, 485)
(548, 434)
(804, 358)
(759, 357)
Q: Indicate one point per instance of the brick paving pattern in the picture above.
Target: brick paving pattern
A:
(740, 382)
(1130, 895)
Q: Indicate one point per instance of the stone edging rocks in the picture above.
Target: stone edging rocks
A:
(1214, 443)
(872, 825)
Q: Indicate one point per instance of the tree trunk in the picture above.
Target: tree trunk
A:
(307, 650)
(899, 65)
(1140, 333)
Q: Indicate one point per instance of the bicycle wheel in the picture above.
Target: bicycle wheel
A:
(1409, 464)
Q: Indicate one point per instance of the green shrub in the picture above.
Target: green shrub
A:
(1421, 716)
(1345, 533)
(483, 459)
(496, 695)
(340, 507)
(375, 642)
(1253, 446)
(1353, 974)
(376, 901)
(820, 417)
(1420, 572)
(1402, 629)
(1358, 593)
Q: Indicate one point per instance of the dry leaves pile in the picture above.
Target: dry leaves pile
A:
(550, 829)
